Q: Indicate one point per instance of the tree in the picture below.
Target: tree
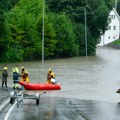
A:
(75, 10)
(65, 36)
(24, 24)
(5, 5)
(118, 7)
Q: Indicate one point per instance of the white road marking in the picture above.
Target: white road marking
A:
(4, 104)
(9, 111)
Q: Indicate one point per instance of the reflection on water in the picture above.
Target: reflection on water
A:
(53, 108)
(95, 78)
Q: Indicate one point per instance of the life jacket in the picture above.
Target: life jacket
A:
(15, 70)
(24, 74)
(51, 75)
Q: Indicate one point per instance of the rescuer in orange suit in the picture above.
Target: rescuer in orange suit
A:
(24, 75)
(50, 76)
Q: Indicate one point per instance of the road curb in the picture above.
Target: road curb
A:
(4, 104)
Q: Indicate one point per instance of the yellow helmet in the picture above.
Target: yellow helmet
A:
(22, 67)
(5, 68)
(49, 70)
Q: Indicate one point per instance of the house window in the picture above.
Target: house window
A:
(113, 37)
(109, 27)
(109, 37)
(114, 27)
(112, 16)
(109, 18)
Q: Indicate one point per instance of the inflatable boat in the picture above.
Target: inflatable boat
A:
(40, 86)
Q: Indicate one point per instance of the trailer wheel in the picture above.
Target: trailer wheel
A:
(17, 104)
(37, 97)
(12, 99)
(37, 101)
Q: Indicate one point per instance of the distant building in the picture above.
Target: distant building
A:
(113, 31)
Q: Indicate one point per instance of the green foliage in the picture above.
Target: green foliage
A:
(66, 45)
(117, 42)
(97, 13)
(49, 41)
(25, 30)
(22, 28)
(5, 5)
(80, 41)
(110, 3)
(14, 54)
(118, 7)
(21, 25)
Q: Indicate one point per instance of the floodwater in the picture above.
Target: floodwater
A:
(89, 86)
(90, 78)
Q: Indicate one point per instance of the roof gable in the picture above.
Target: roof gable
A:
(114, 10)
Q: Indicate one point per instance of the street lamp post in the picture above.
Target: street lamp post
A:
(115, 4)
(85, 32)
(43, 33)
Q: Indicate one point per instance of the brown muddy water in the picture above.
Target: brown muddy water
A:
(89, 78)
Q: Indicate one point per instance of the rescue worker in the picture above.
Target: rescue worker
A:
(50, 76)
(4, 77)
(15, 71)
(24, 75)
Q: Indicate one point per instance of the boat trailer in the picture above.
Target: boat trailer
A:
(18, 96)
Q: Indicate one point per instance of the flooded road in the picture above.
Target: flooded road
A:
(91, 78)
(89, 86)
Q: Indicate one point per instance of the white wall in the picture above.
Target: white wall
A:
(111, 35)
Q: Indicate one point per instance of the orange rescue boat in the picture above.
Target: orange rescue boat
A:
(40, 86)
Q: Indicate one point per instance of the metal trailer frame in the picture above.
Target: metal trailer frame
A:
(20, 95)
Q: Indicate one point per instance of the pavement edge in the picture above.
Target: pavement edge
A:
(4, 104)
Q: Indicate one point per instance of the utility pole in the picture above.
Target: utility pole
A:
(43, 33)
(85, 31)
(115, 4)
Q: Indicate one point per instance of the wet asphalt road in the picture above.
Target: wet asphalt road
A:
(51, 108)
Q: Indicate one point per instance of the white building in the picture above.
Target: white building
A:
(113, 31)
